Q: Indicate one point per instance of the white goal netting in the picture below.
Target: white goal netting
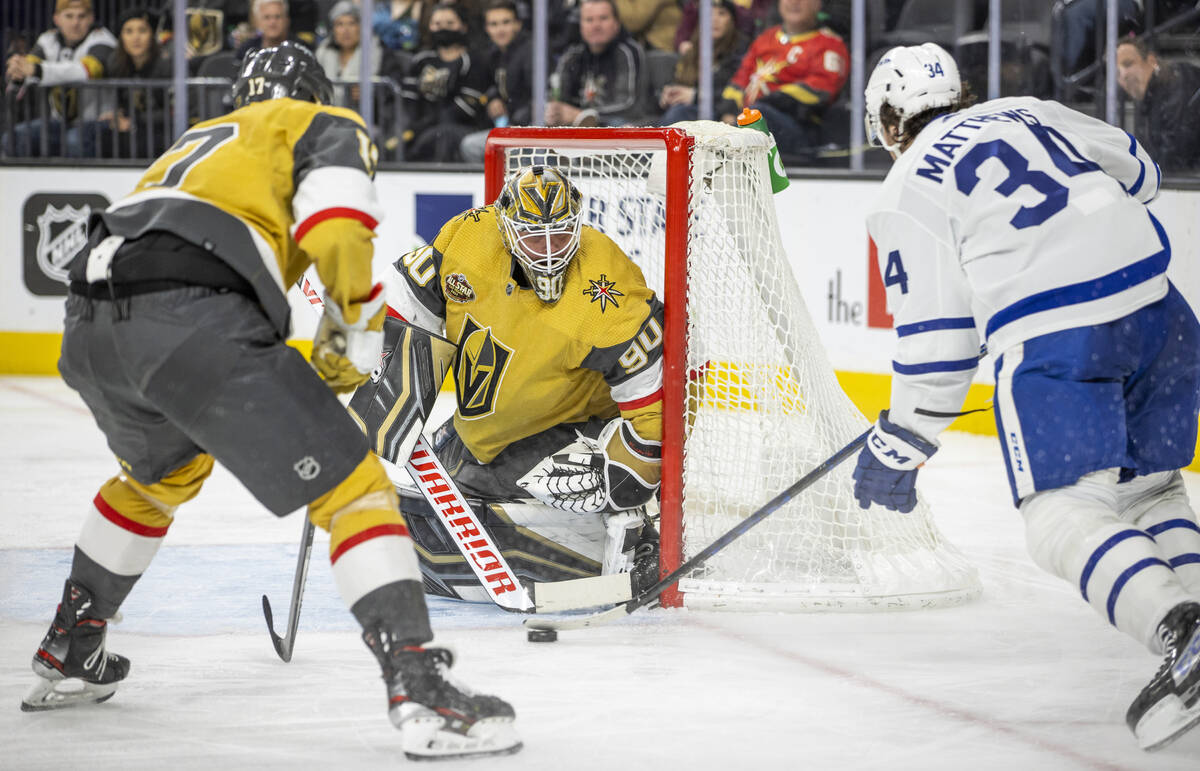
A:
(763, 405)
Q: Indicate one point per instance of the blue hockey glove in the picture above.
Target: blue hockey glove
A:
(887, 466)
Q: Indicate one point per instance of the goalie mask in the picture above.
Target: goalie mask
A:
(911, 79)
(540, 215)
(288, 70)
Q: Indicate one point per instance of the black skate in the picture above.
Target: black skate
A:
(438, 718)
(71, 663)
(1170, 704)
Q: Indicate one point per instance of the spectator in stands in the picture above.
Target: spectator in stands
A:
(472, 12)
(750, 17)
(134, 125)
(1168, 104)
(510, 62)
(601, 80)
(273, 24)
(398, 23)
(790, 74)
(340, 55)
(74, 51)
(651, 22)
(679, 98)
(444, 90)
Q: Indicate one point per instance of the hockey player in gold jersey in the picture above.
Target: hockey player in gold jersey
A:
(174, 337)
(558, 373)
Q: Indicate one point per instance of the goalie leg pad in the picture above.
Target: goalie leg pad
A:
(1074, 533)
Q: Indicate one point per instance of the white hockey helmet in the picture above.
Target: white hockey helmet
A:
(912, 79)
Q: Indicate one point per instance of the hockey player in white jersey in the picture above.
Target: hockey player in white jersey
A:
(1022, 225)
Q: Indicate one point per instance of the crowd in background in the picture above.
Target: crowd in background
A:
(451, 70)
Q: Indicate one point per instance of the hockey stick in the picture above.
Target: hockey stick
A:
(284, 645)
(737, 531)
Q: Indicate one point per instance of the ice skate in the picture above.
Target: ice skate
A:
(71, 664)
(438, 718)
(1170, 704)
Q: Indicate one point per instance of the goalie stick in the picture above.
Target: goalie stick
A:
(737, 531)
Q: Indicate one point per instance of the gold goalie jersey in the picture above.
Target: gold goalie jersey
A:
(269, 188)
(524, 365)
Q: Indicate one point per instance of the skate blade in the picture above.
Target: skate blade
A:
(1165, 722)
(424, 738)
(58, 694)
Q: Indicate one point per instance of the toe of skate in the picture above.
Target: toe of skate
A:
(1165, 722)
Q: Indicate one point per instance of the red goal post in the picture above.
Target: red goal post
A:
(678, 147)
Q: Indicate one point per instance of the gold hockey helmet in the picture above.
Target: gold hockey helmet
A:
(540, 215)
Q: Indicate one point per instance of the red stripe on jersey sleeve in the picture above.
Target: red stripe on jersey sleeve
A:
(124, 522)
(396, 314)
(366, 535)
(639, 403)
(334, 213)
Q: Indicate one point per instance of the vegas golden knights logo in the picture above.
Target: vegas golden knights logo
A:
(478, 369)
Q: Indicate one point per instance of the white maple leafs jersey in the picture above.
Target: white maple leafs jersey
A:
(1002, 222)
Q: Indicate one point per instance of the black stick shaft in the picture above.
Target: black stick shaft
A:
(738, 530)
(284, 645)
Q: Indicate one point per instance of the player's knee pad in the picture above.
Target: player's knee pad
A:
(369, 545)
(1058, 521)
(1159, 505)
(1075, 533)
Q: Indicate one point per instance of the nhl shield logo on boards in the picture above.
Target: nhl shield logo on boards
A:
(459, 289)
(55, 230)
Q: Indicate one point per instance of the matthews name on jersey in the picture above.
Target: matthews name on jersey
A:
(264, 213)
(525, 365)
(965, 257)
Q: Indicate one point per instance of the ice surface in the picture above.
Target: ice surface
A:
(1027, 677)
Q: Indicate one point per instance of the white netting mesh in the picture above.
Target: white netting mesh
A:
(769, 408)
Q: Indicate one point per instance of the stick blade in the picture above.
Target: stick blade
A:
(284, 652)
(579, 622)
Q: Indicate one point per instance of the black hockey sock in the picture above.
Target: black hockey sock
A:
(108, 589)
(398, 607)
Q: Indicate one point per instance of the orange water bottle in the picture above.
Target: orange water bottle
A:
(753, 119)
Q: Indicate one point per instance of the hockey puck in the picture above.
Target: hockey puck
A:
(541, 635)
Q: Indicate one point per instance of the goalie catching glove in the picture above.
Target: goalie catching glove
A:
(616, 471)
(345, 353)
(887, 466)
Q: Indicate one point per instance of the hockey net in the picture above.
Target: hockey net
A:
(750, 399)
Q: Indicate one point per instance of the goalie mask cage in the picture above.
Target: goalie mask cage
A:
(750, 401)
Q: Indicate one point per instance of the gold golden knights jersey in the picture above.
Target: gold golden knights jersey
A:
(524, 365)
(270, 189)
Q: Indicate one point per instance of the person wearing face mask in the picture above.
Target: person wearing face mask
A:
(444, 90)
